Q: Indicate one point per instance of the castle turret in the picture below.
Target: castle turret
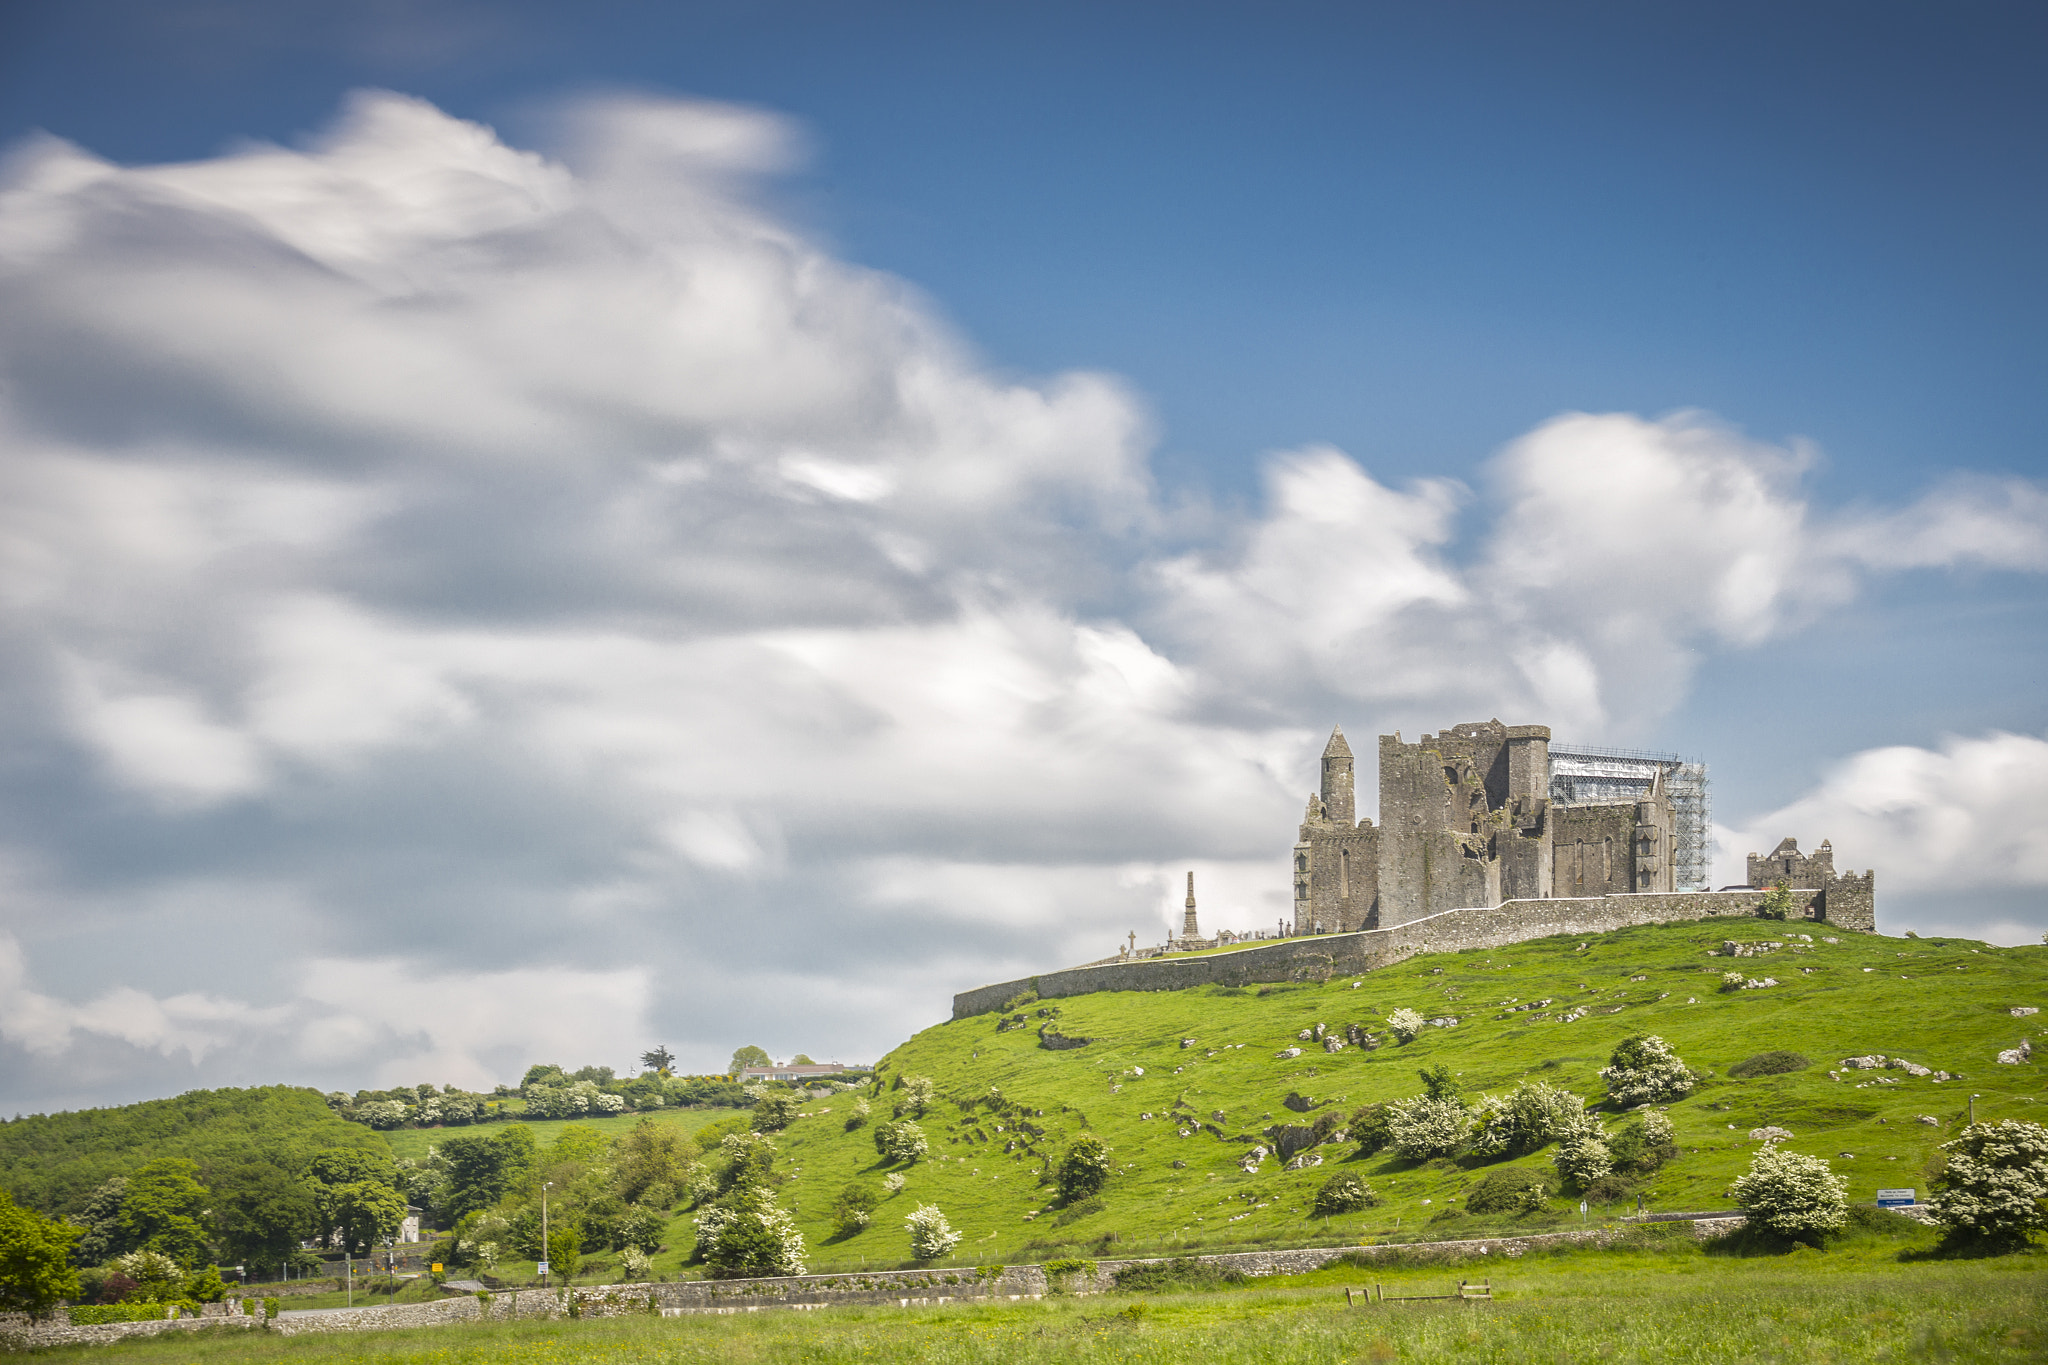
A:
(1339, 802)
(1187, 923)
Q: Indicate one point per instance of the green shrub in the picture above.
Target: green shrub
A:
(1344, 1193)
(1074, 1212)
(1368, 1127)
(93, 1314)
(1509, 1191)
(1769, 1064)
(270, 1306)
(1084, 1169)
(1058, 1269)
(1182, 1273)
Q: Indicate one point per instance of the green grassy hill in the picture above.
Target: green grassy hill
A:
(53, 1162)
(1007, 1107)
(414, 1142)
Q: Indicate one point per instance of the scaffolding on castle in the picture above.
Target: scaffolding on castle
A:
(1589, 775)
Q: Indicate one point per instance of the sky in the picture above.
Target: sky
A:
(533, 531)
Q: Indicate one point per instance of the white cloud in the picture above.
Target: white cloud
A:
(601, 613)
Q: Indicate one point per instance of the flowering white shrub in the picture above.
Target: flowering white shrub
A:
(604, 1102)
(893, 1182)
(903, 1141)
(1646, 1070)
(1732, 981)
(1420, 1128)
(1582, 1152)
(635, 1263)
(382, 1113)
(1405, 1024)
(931, 1236)
(1658, 1128)
(1997, 1181)
(150, 1269)
(750, 1235)
(859, 1116)
(1527, 1117)
(917, 1096)
(699, 1184)
(1793, 1195)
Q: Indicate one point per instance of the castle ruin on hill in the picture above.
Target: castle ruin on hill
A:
(1486, 836)
(1486, 813)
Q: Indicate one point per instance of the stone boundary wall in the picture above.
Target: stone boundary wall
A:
(1319, 956)
(56, 1333)
(917, 1288)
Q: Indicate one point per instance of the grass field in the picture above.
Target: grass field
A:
(1944, 1004)
(413, 1142)
(1858, 1302)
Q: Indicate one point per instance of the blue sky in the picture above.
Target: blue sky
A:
(1221, 301)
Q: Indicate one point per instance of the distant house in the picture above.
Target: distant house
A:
(804, 1071)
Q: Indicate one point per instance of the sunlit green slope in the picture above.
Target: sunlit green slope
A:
(1945, 1005)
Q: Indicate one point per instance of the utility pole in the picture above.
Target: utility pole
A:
(545, 1268)
(1973, 1109)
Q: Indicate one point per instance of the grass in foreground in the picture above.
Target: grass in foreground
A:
(1670, 1303)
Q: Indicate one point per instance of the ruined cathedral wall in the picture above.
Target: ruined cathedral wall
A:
(1591, 850)
(1344, 880)
(1850, 901)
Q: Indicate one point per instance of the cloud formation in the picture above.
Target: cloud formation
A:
(536, 605)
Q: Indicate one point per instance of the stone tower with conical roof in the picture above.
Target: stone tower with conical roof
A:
(1336, 861)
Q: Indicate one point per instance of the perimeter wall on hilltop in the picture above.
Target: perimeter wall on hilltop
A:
(1323, 955)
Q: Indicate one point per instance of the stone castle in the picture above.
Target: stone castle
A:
(1469, 817)
(1486, 837)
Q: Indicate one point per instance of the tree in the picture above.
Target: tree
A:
(261, 1211)
(801, 1060)
(543, 1073)
(1792, 1195)
(854, 1207)
(101, 1220)
(1776, 904)
(1084, 1168)
(931, 1236)
(749, 1056)
(1439, 1083)
(658, 1059)
(775, 1112)
(652, 1154)
(156, 1277)
(749, 1158)
(483, 1170)
(1646, 1070)
(363, 1212)
(641, 1228)
(1996, 1186)
(565, 1250)
(747, 1233)
(35, 1259)
(163, 1209)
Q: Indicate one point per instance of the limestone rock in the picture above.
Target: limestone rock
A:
(2014, 1056)
(1287, 1054)
(2022, 1011)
